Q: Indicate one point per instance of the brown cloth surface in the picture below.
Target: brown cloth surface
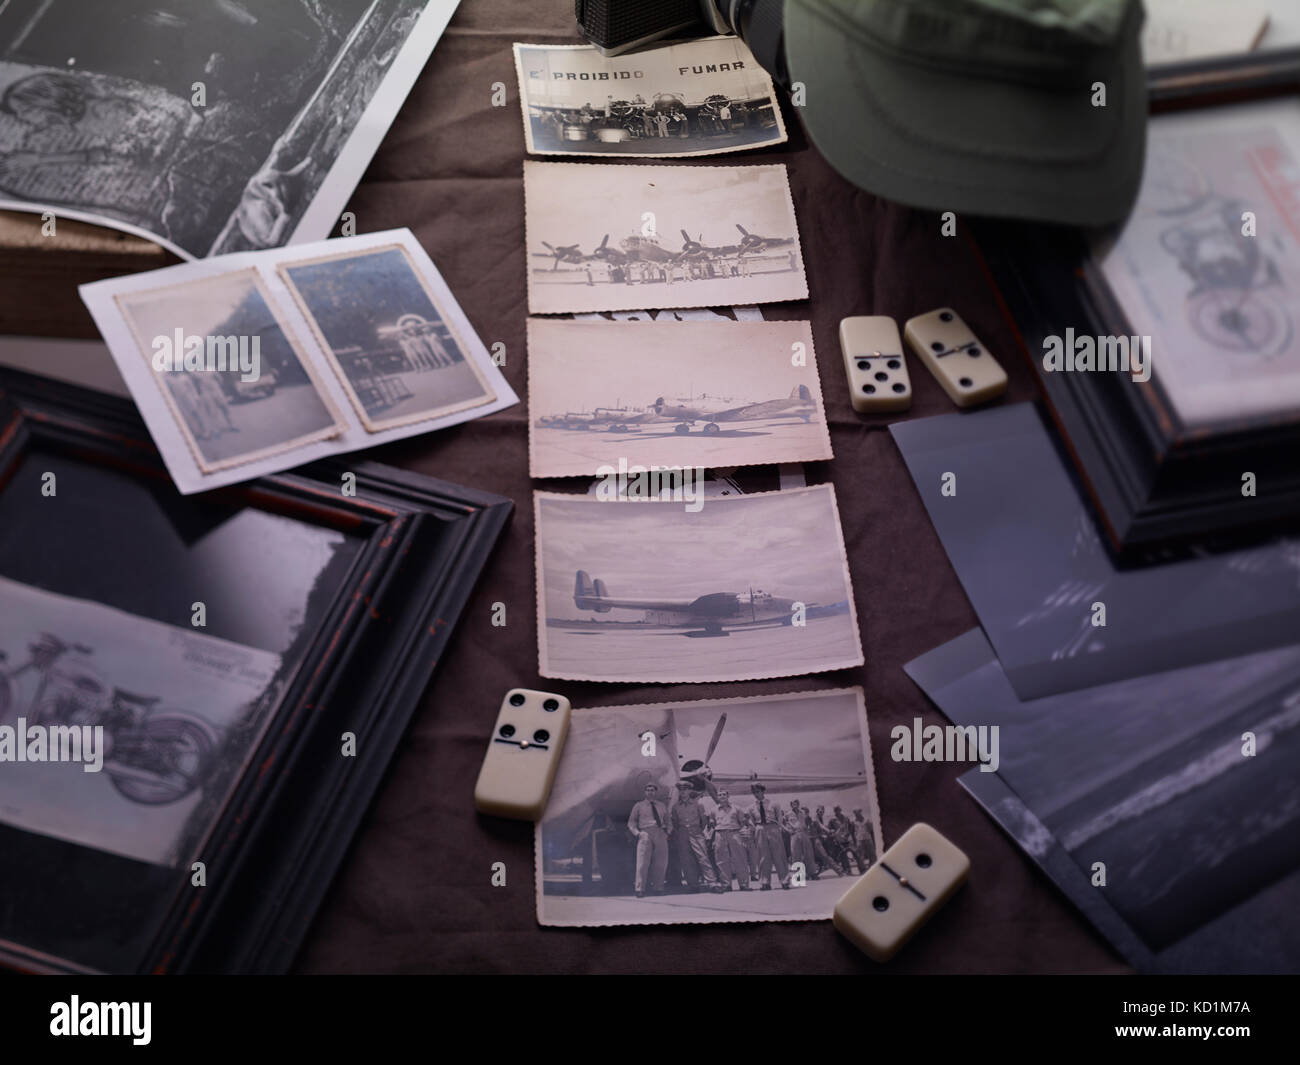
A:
(415, 892)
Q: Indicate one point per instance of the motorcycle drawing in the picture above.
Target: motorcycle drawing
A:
(152, 757)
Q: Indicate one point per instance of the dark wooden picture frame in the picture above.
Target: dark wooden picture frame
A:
(1153, 482)
(287, 819)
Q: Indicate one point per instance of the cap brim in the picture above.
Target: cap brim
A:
(947, 140)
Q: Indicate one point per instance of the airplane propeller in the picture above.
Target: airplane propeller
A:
(694, 765)
(691, 248)
(749, 241)
(564, 251)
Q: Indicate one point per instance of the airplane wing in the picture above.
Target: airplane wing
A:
(788, 783)
(800, 399)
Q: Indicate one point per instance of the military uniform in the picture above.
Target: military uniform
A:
(689, 825)
(771, 847)
(801, 848)
(649, 823)
(728, 849)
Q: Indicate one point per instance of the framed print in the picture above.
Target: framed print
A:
(176, 674)
(1169, 349)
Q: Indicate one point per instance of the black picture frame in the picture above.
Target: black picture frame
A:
(1153, 482)
(286, 823)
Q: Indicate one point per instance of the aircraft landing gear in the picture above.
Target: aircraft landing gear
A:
(682, 427)
(711, 428)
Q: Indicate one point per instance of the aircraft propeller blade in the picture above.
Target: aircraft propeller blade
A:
(717, 735)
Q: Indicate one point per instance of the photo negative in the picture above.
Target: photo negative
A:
(114, 727)
(377, 322)
(713, 394)
(618, 238)
(701, 97)
(663, 591)
(229, 368)
(1061, 614)
(717, 810)
(208, 127)
(1182, 783)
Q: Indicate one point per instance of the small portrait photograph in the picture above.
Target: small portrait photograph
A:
(701, 97)
(229, 368)
(624, 238)
(738, 587)
(717, 810)
(713, 394)
(377, 322)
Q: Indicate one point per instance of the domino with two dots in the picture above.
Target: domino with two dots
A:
(959, 361)
(898, 894)
(873, 359)
(522, 754)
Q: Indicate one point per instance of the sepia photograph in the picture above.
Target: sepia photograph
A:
(700, 97)
(1192, 804)
(396, 356)
(712, 811)
(618, 238)
(667, 393)
(229, 368)
(737, 587)
(207, 127)
(169, 706)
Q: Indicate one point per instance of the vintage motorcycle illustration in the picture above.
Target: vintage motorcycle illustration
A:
(153, 757)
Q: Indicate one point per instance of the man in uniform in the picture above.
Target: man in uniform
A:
(690, 822)
(865, 844)
(767, 834)
(801, 848)
(729, 851)
(648, 822)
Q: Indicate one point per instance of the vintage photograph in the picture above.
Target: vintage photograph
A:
(232, 372)
(701, 97)
(376, 321)
(164, 701)
(1208, 264)
(617, 238)
(712, 394)
(208, 127)
(1060, 612)
(1183, 783)
(739, 588)
(718, 810)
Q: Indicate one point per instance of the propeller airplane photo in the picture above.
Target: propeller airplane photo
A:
(711, 614)
(586, 817)
(684, 412)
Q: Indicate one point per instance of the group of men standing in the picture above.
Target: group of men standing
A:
(682, 845)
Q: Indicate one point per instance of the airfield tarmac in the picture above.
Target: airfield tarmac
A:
(814, 901)
(575, 452)
(657, 655)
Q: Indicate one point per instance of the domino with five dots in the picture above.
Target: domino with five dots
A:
(898, 894)
(522, 755)
(959, 361)
(873, 359)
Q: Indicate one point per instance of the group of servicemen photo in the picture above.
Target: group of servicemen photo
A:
(686, 845)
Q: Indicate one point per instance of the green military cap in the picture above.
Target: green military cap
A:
(979, 106)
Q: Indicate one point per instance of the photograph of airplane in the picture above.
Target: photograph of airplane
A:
(741, 588)
(711, 394)
(707, 236)
(701, 97)
(809, 755)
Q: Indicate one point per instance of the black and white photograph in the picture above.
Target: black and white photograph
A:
(1182, 783)
(619, 238)
(163, 702)
(713, 394)
(207, 127)
(1061, 614)
(659, 590)
(257, 396)
(396, 356)
(700, 97)
(717, 810)
(328, 348)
